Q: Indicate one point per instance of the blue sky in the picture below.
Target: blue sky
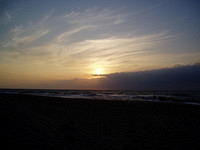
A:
(58, 40)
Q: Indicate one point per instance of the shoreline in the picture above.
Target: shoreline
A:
(50, 122)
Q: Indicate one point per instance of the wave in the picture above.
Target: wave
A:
(187, 97)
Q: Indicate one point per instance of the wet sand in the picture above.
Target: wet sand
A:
(36, 122)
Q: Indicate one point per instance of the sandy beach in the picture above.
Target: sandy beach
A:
(36, 122)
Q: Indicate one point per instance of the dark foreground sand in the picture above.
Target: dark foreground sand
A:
(35, 122)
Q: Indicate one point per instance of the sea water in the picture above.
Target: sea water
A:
(189, 97)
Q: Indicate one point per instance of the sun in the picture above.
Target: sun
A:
(98, 71)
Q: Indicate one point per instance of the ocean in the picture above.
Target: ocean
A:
(189, 97)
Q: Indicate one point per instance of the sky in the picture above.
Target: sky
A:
(65, 43)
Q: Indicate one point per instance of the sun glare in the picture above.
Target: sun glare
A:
(98, 71)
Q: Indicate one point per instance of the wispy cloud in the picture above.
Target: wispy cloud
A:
(21, 36)
(62, 28)
(95, 16)
(84, 40)
(66, 35)
(114, 50)
(8, 16)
